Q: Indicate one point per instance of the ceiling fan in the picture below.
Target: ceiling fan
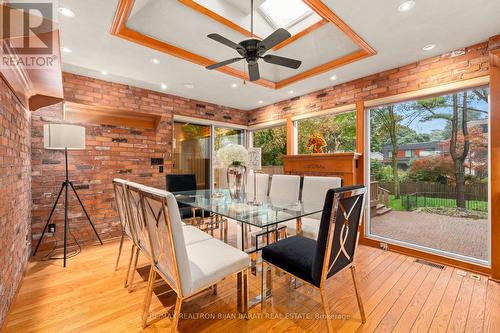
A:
(253, 49)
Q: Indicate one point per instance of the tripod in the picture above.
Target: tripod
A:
(65, 186)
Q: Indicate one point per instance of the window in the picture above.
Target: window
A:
(434, 199)
(286, 16)
(327, 134)
(272, 141)
(225, 135)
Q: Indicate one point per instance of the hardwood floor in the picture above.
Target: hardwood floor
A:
(400, 295)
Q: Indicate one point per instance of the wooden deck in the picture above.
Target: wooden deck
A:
(400, 295)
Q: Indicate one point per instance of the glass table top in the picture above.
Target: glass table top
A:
(270, 212)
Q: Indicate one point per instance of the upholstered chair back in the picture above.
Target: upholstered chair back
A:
(338, 231)
(314, 190)
(285, 188)
(168, 247)
(262, 181)
(181, 182)
(121, 206)
(136, 217)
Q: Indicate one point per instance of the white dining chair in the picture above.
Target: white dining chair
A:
(285, 188)
(140, 236)
(187, 268)
(121, 207)
(262, 184)
(314, 191)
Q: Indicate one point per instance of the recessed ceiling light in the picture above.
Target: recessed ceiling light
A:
(234, 85)
(260, 102)
(290, 92)
(155, 61)
(333, 78)
(104, 73)
(164, 86)
(66, 50)
(406, 5)
(429, 47)
(66, 12)
(189, 85)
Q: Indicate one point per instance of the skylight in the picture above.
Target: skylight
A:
(285, 13)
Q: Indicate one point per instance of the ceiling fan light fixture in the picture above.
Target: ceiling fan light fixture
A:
(254, 49)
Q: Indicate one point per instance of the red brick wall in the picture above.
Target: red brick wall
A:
(463, 64)
(112, 151)
(15, 195)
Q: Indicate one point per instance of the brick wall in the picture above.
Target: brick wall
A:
(15, 195)
(112, 151)
(463, 64)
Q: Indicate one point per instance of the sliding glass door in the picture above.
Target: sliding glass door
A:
(429, 172)
(222, 137)
(192, 151)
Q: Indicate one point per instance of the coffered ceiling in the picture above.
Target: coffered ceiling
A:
(117, 40)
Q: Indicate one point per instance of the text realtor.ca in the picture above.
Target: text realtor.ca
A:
(27, 35)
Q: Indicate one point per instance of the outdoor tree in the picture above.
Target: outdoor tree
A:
(456, 109)
(438, 169)
(338, 132)
(389, 122)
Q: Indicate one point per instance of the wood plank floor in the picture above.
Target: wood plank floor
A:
(400, 295)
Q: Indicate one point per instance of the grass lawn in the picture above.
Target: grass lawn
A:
(397, 204)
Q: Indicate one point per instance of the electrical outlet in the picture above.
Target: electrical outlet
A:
(384, 246)
(161, 169)
(52, 228)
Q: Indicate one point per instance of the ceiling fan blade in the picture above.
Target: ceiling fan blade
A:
(227, 42)
(253, 71)
(223, 63)
(281, 61)
(272, 40)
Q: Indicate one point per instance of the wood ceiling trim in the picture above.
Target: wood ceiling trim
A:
(119, 29)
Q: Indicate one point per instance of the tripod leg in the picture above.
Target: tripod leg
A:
(48, 220)
(65, 221)
(85, 211)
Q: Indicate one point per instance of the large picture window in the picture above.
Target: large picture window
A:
(272, 141)
(429, 174)
(327, 134)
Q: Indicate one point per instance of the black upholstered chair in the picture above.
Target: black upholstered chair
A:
(184, 182)
(187, 182)
(314, 261)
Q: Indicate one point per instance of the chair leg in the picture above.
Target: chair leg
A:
(324, 303)
(245, 294)
(132, 252)
(177, 314)
(147, 298)
(358, 296)
(132, 271)
(242, 298)
(119, 250)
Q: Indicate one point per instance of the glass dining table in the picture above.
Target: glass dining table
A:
(267, 216)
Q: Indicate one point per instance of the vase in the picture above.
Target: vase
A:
(236, 178)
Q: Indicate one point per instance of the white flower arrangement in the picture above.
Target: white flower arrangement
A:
(232, 154)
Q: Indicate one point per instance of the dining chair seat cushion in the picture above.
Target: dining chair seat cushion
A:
(210, 261)
(194, 235)
(310, 227)
(293, 254)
